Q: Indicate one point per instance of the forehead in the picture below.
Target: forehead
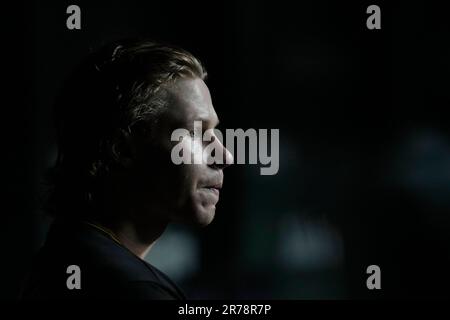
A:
(190, 100)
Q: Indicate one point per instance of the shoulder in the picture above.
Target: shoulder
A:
(146, 290)
(107, 270)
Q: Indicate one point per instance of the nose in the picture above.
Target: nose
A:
(223, 158)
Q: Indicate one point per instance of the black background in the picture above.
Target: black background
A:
(364, 133)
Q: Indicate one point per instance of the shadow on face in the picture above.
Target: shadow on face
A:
(185, 193)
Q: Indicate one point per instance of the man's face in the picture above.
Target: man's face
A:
(186, 192)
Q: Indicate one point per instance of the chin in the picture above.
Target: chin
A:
(205, 216)
(197, 216)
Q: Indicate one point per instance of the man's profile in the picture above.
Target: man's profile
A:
(115, 188)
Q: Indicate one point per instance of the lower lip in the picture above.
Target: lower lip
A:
(214, 190)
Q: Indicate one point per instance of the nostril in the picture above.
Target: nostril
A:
(229, 159)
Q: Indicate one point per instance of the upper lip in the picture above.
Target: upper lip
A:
(217, 186)
(215, 183)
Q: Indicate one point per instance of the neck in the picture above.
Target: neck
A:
(138, 238)
(136, 227)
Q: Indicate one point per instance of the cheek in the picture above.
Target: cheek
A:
(182, 185)
(171, 186)
(194, 201)
(193, 150)
(187, 173)
(197, 151)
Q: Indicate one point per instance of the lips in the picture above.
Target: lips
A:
(215, 182)
(214, 190)
(217, 186)
(214, 187)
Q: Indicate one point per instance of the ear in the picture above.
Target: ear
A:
(122, 149)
